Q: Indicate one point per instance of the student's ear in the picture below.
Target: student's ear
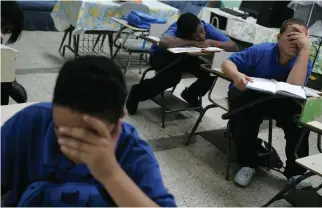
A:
(278, 36)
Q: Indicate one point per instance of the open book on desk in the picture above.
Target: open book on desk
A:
(279, 88)
(194, 50)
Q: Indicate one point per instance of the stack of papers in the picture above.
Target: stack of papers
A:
(194, 50)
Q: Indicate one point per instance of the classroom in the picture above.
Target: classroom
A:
(145, 103)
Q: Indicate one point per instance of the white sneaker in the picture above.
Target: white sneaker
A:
(244, 176)
(303, 184)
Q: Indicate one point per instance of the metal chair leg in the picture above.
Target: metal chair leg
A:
(144, 74)
(102, 43)
(117, 50)
(194, 128)
(128, 63)
(76, 45)
(270, 135)
(140, 60)
(163, 118)
(288, 188)
(228, 153)
(163, 111)
(63, 40)
(173, 89)
(319, 143)
(110, 42)
(201, 115)
(94, 46)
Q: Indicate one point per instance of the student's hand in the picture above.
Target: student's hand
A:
(241, 80)
(202, 44)
(96, 150)
(299, 37)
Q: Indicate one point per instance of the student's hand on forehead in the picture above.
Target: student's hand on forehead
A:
(94, 148)
(299, 37)
(300, 28)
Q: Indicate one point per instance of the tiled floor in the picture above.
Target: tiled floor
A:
(195, 173)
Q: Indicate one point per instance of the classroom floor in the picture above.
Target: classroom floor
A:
(195, 173)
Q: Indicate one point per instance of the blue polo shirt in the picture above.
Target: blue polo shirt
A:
(262, 61)
(29, 151)
(211, 33)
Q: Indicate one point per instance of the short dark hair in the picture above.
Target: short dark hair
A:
(187, 24)
(12, 14)
(93, 85)
(291, 21)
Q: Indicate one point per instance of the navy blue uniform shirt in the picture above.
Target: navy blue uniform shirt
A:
(262, 61)
(211, 33)
(29, 151)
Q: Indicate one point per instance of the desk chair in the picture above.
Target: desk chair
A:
(167, 100)
(223, 104)
(307, 197)
(127, 43)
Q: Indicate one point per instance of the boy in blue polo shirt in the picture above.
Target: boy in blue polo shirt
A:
(286, 61)
(77, 151)
(187, 31)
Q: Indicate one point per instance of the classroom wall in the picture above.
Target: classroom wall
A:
(231, 4)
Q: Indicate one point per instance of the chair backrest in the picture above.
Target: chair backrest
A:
(219, 58)
(157, 30)
(127, 7)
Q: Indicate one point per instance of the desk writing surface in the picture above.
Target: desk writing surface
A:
(312, 163)
(8, 60)
(7, 111)
(315, 124)
(149, 38)
(220, 73)
(124, 23)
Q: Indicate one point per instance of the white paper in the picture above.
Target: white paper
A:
(263, 85)
(184, 50)
(193, 50)
(311, 92)
(211, 49)
(291, 89)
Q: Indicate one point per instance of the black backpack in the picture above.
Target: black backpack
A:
(262, 155)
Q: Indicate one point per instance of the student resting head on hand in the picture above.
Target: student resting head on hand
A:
(285, 61)
(77, 150)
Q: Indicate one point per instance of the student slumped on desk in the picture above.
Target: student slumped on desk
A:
(192, 34)
(284, 61)
(77, 151)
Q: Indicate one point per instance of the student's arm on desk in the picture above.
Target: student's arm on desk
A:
(220, 40)
(168, 41)
(302, 69)
(236, 66)
(229, 46)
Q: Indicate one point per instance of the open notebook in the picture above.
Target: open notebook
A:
(274, 87)
(194, 50)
